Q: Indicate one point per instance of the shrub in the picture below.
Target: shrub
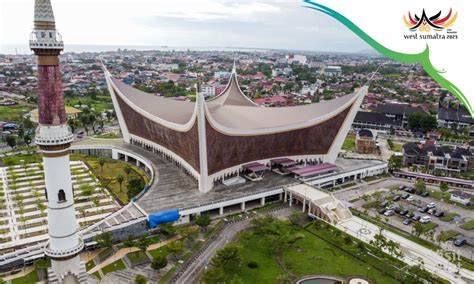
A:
(159, 262)
(140, 279)
(252, 264)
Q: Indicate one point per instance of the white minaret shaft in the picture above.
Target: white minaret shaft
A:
(54, 137)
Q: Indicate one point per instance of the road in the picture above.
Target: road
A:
(193, 273)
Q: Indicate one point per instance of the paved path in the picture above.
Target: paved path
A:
(431, 261)
(122, 252)
(193, 273)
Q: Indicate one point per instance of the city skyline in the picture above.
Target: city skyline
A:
(244, 24)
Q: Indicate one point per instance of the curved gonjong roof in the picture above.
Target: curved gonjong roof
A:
(232, 112)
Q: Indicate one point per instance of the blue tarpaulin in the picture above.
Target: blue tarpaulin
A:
(163, 217)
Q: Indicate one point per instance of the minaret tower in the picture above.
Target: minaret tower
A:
(54, 137)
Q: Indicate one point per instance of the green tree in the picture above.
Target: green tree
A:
(417, 229)
(141, 279)
(203, 221)
(419, 186)
(227, 258)
(159, 262)
(11, 140)
(213, 275)
(422, 121)
(27, 139)
(105, 239)
(168, 229)
(395, 163)
(120, 178)
(444, 187)
(134, 187)
(127, 170)
(176, 248)
(129, 242)
(102, 163)
(143, 243)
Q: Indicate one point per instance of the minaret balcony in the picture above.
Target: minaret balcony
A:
(46, 39)
(53, 135)
(64, 252)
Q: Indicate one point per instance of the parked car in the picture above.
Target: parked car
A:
(410, 189)
(405, 196)
(409, 215)
(383, 204)
(411, 198)
(389, 213)
(439, 213)
(425, 219)
(401, 187)
(396, 198)
(425, 193)
(431, 205)
(397, 210)
(79, 136)
(407, 221)
(382, 210)
(416, 218)
(460, 241)
(404, 212)
(423, 209)
(390, 207)
(431, 211)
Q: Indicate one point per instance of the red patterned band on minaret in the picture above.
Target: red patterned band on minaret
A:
(51, 109)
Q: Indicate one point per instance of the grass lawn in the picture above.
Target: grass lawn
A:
(31, 277)
(137, 257)
(447, 235)
(114, 266)
(13, 113)
(468, 225)
(397, 147)
(449, 217)
(97, 275)
(428, 227)
(163, 251)
(90, 264)
(106, 136)
(17, 159)
(309, 255)
(349, 143)
(109, 172)
(100, 103)
(440, 195)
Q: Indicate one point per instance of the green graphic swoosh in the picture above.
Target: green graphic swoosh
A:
(422, 57)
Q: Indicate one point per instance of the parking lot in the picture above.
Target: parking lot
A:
(395, 202)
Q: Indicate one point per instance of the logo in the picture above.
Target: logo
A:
(424, 23)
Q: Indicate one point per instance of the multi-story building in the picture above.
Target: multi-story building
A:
(437, 158)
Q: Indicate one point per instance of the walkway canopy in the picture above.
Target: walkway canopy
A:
(314, 170)
(255, 167)
(284, 162)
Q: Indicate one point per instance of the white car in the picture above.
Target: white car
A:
(425, 219)
(411, 198)
(431, 205)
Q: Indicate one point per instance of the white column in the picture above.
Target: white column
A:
(304, 204)
(280, 196)
(204, 185)
(291, 199)
(221, 211)
(137, 163)
(126, 158)
(285, 198)
(262, 201)
(242, 206)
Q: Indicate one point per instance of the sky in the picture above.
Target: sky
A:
(276, 24)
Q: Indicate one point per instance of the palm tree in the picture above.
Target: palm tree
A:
(102, 163)
(120, 180)
(127, 169)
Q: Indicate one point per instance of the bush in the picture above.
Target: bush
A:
(252, 264)
(159, 262)
(140, 279)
